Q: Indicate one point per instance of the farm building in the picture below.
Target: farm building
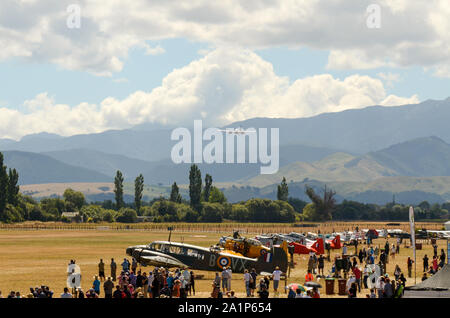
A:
(72, 216)
(447, 226)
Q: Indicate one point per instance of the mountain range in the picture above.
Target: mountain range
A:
(357, 147)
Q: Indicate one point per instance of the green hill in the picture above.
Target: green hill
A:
(36, 168)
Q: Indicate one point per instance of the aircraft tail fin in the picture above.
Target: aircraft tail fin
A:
(336, 242)
(278, 256)
(319, 246)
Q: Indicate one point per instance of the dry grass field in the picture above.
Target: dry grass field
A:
(39, 257)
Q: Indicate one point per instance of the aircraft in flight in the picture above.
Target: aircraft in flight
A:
(173, 254)
(238, 131)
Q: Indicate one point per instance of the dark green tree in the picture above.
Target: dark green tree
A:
(74, 197)
(175, 195)
(118, 190)
(3, 187)
(323, 206)
(207, 190)
(283, 191)
(216, 196)
(138, 189)
(13, 187)
(195, 186)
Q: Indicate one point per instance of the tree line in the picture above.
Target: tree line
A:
(206, 203)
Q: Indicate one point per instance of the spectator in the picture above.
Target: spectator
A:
(425, 263)
(108, 287)
(409, 263)
(388, 290)
(357, 273)
(145, 284)
(96, 285)
(352, 292)
(125, 265)
(91, 293)
(230, 277)
(101, 270)
(253, 282)
(442, 258)
(276, 276)
(247, 279)
(321, 262)
(379, 285)
(113, 269)
(66, 293)
(309, 277)
(118, 294)
(192, 284)
(263, 293)
(217, 279)
(424, 277)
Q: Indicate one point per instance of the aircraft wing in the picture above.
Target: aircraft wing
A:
(161, 261)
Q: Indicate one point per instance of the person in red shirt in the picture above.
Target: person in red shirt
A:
(315, 293)
(357, 273)
(309, 277)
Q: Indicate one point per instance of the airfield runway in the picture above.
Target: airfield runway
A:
(34, 258)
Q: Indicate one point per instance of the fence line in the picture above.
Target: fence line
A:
(244, 228)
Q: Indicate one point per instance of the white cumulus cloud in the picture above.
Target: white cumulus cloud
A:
(225, 85)
(412, 33)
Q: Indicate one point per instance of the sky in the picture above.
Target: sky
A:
(71, 67)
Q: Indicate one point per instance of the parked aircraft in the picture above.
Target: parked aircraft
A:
(172, 254)
(243, 246)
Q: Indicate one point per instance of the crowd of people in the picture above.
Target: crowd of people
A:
(357, 269)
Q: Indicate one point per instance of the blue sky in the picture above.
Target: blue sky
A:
(173, 62)
(22, 80)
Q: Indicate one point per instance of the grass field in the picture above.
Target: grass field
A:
(39, 257)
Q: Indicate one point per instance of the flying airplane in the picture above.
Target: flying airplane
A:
(172, 254)
(238, 131)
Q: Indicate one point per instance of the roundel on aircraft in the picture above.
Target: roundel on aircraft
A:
(223, 261)
(263, 252)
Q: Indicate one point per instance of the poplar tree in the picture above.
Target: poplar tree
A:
(175, 193)
(118, 190)
(195, 186)
(283, 191)
(138, 189)
(207, 190)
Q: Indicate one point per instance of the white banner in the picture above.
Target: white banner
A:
(413, 230)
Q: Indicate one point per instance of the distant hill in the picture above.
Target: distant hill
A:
(406, 190)
(428, 156)
(356, 131)
(107, 164)
(166, 172)
(37, 168)
(363, 130)
(422, 157)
